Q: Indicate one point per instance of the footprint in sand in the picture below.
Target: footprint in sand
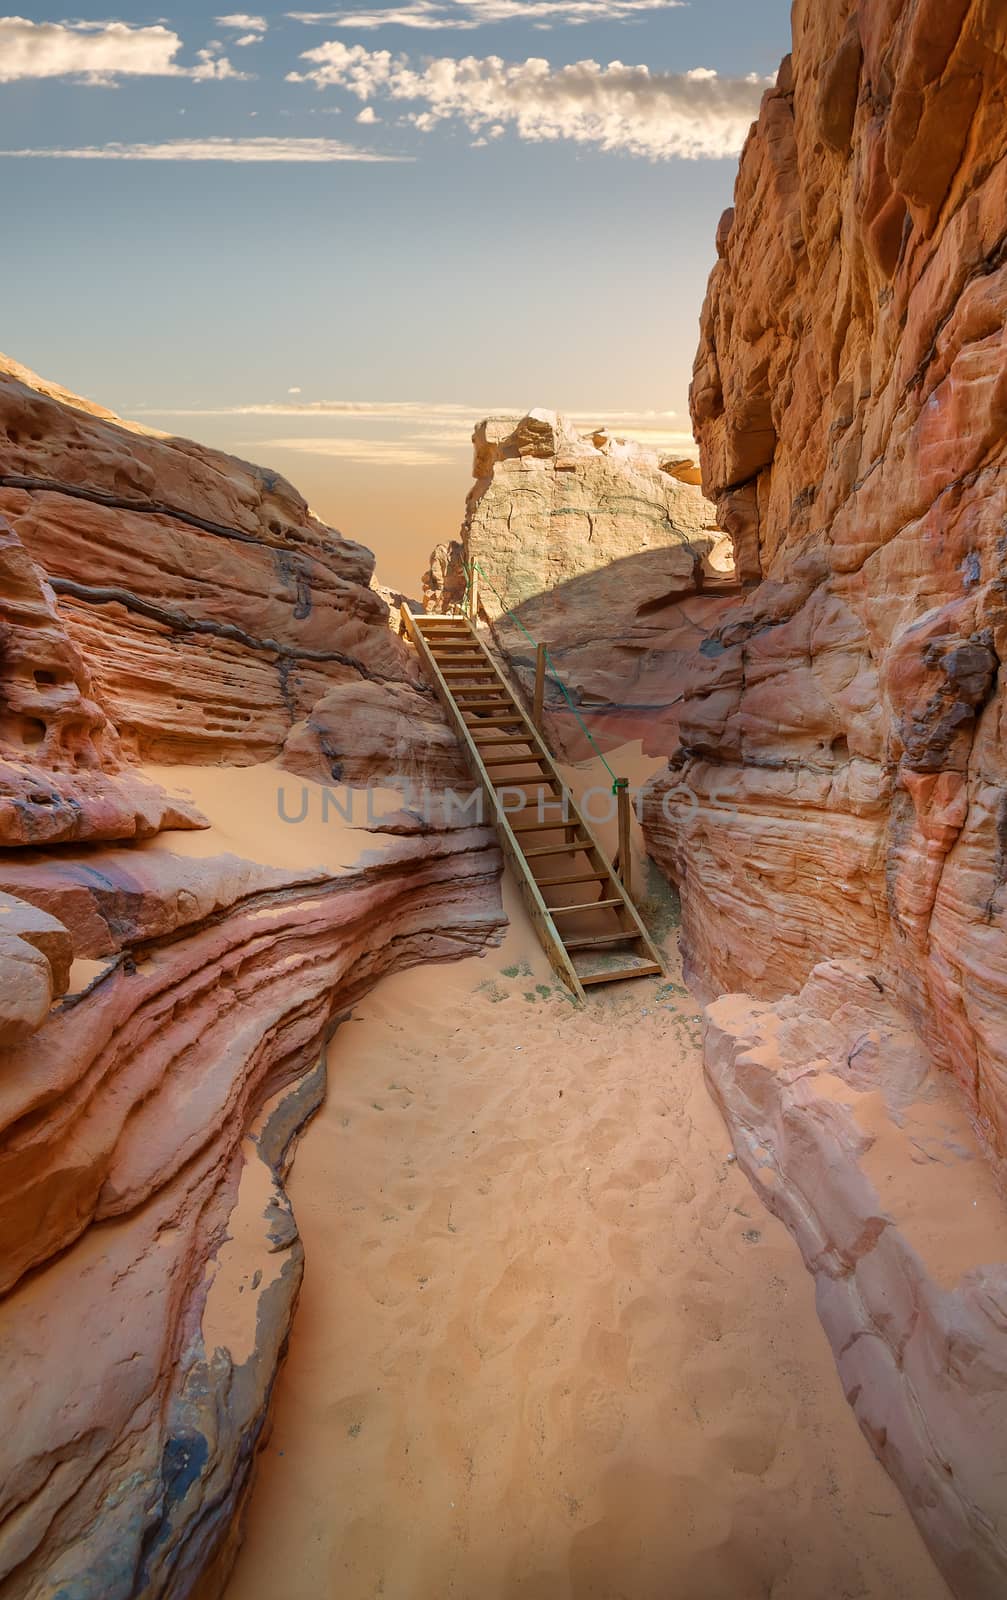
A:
(600, 1416)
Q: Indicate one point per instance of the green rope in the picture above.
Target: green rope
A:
(555, 674)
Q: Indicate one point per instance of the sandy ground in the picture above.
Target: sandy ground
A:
(549, 1344)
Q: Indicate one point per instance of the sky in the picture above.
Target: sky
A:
(330, 241)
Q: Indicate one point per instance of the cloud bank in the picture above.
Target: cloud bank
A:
(659, 115)
(252, 150)
(466, 14)
(98, 52)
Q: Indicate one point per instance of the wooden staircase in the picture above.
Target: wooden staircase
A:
(589, 927)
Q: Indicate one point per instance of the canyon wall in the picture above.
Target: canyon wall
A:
(836, 815)
(603, 550)
(841, 776)
(166, 1001)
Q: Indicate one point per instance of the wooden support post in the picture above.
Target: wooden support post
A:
(473, 594)
(624, 857)
(539, 686)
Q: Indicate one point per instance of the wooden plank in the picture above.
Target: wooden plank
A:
(539, 827)
(576, 848)
(588, 942)
(572, 877)
(539, 699)
(494, 722)
(592, 905)
(645, 970)
(537, 908)
(514, 761)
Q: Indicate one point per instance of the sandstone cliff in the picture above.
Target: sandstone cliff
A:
(836, 813)
(165, 1006)
(607, 553)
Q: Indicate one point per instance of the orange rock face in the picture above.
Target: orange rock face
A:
(166, 602)
(842, 779)
(211, 607)
(837, 812)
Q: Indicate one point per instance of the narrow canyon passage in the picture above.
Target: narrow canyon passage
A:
(549, 1343)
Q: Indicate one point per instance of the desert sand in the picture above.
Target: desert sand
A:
(549, 1343)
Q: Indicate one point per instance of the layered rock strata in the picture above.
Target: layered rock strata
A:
(151, 1262)
(212, 609)
(163, 1013)
(840, 793)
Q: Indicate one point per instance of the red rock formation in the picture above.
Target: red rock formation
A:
(165, 601)
(841, 776)
(211, 607)
(868, 1157)
(124, 1126)
(61, 770)
(840, 791)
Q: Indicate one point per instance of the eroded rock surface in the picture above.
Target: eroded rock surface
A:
(842, 777)
(849, 1136)
(212, 609)
(606, 552)
(838, 802)
(163, 1013)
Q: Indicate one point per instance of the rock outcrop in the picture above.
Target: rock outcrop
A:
(164, 1013)
(604, 551)
(840, 794)
(852, 1139)
(212, 609)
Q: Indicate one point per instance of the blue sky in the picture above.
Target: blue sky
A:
(440, 228)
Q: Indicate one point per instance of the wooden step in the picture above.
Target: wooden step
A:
(511, 721)
(472, 675)
(502, 738)
(592, 905)
(536, 780)
(513, 761)
(558, 849)
(576, 877)
(539, 827)
(588, 943)
(481, 705)
(644, 970)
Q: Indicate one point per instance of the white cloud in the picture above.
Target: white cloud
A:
(616, 107)
(247, 39)
(467, 14)
(247, 150)
(241, 22)
(368, 115)
(293, 391)
(365, 452)
(98, 52)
